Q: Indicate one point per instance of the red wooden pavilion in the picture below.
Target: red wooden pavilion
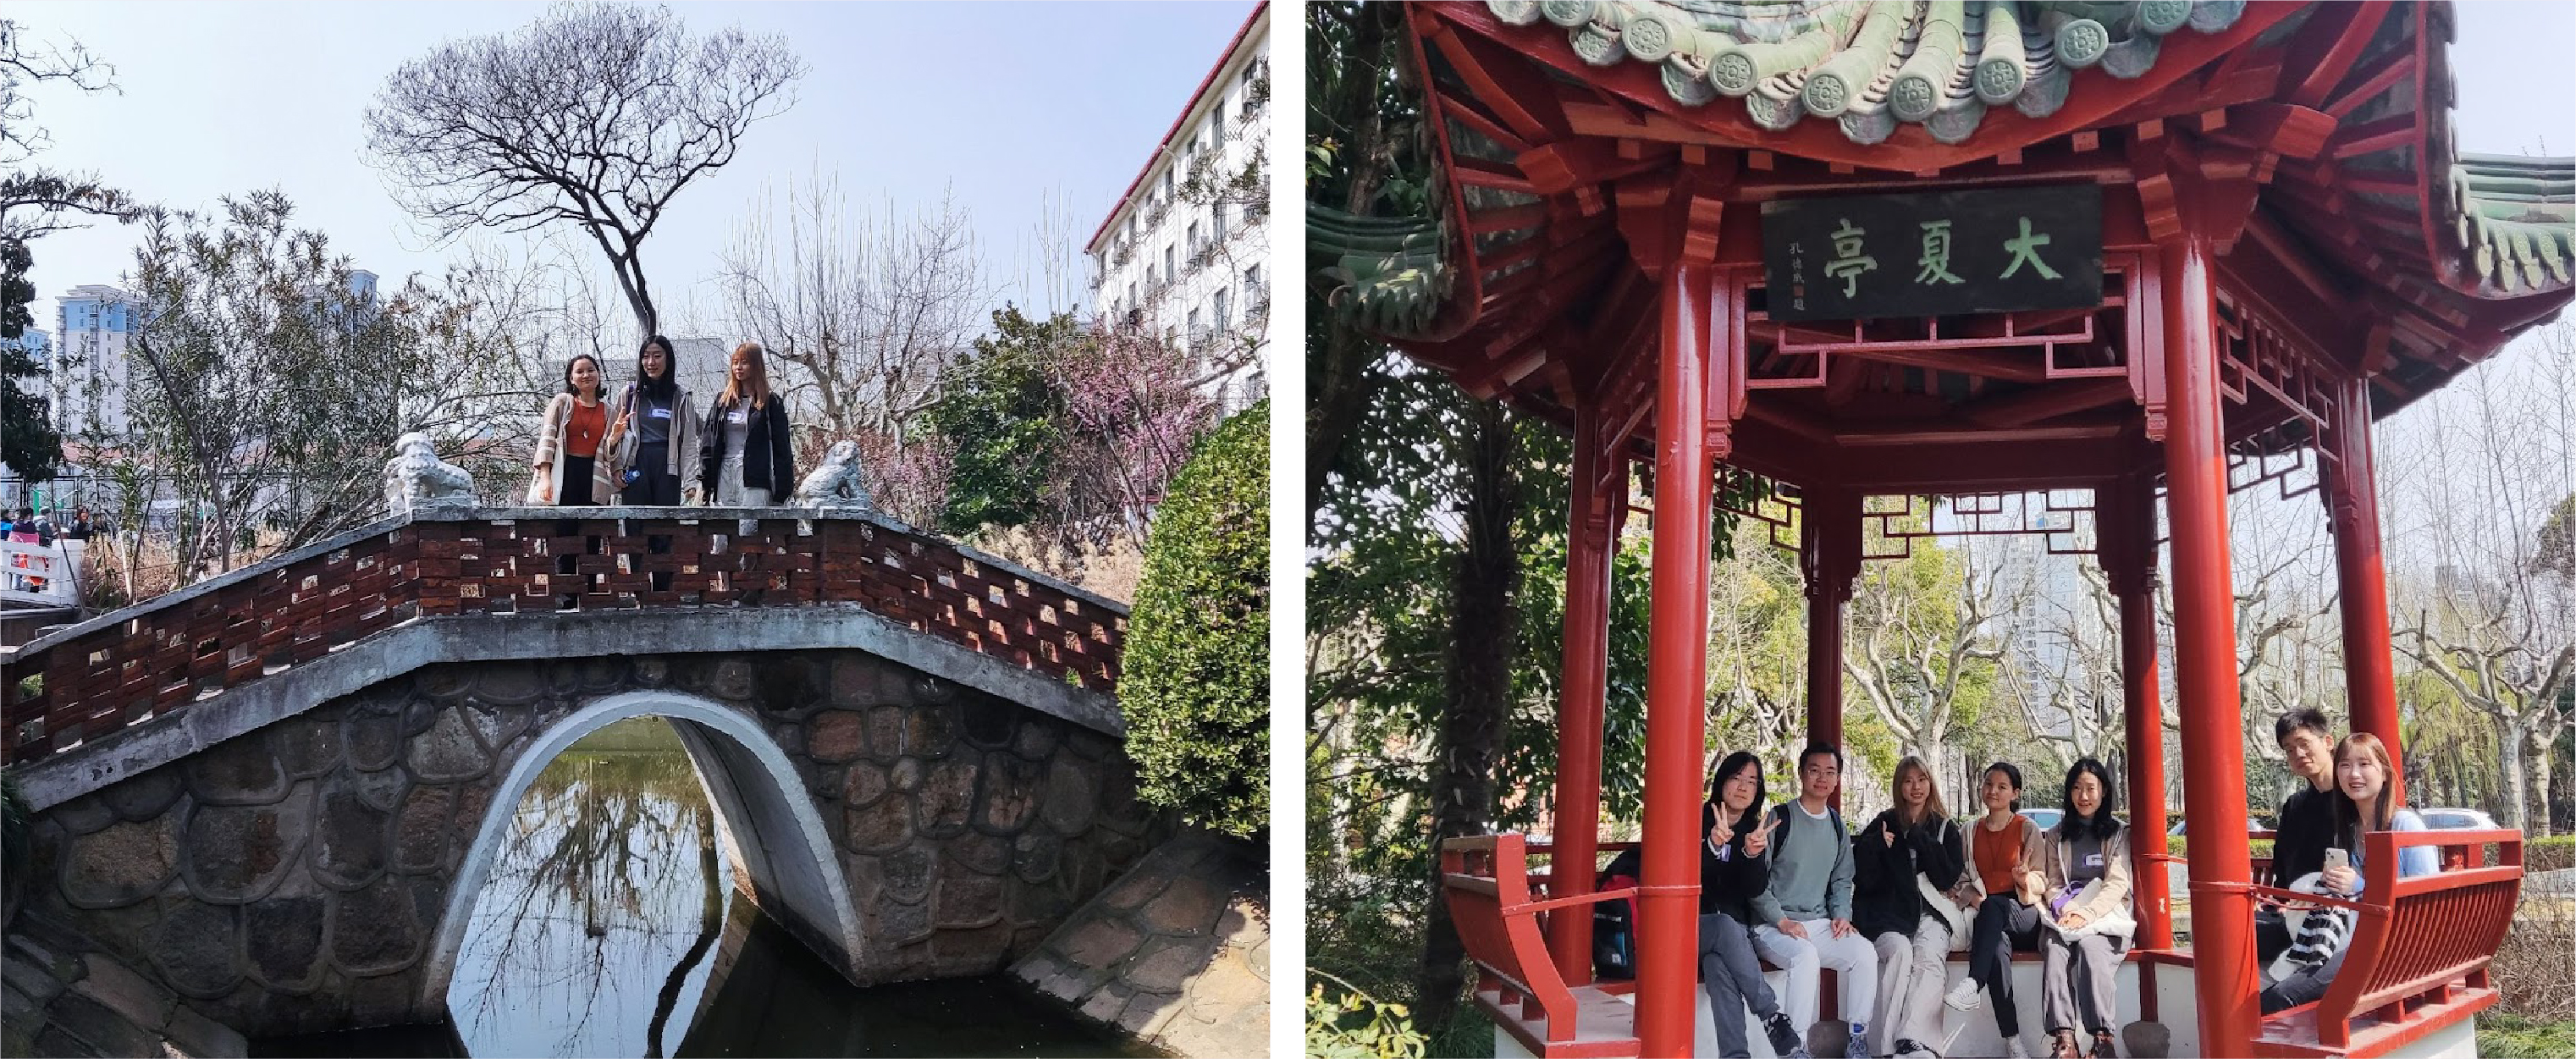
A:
(2291, 244)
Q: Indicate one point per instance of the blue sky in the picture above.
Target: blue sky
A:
(1013, 106)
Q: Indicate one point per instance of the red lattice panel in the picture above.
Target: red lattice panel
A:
(260, 621)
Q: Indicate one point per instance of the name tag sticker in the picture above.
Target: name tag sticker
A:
(658, 413)
(2092, 860)
(737, 416)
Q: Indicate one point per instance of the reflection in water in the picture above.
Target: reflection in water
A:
(606, 929)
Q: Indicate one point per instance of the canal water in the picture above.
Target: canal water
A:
(609, 927)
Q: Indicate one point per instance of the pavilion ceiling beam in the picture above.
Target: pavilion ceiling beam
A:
(2389, 133)
(1499, 78)
(2039, 404)
(2327, 63)
(2372, 81)
(2284, 129)
(1466, 112)
(2009, 367)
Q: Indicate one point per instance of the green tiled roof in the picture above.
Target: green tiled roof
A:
(2516, 217)
(1391, 274)
(1870, 64)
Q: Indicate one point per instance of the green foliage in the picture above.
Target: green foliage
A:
(1197, 686)
(2554, 853)
(1355, 1025)
(2513, 1037)
(1006, 420)
(28, 443)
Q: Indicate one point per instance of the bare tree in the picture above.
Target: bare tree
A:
(1919, 639)
(872, 310)
(2494, 460)
(25, 62)
(596, 115)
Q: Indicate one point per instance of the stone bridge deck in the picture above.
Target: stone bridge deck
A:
(106, 698)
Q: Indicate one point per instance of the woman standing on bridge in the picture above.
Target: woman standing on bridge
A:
(570, 470)
(655, 429)
(747, 459)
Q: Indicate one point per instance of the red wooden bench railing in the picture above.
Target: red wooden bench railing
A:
(1485, 879)
(2417, 957)
(102, 675)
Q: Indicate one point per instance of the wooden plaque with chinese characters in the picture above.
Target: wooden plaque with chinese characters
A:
(1940, 254)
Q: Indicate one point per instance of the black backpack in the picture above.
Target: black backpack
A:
(1614, 934)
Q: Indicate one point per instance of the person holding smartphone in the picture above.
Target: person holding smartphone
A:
(2306, 822)
(1734, 868)
(2367, 803)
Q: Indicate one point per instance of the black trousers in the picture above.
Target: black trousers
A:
(576, 481)
(2003, 924)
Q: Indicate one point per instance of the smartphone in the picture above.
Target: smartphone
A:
(2338, 858)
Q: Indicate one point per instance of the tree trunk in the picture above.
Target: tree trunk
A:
(1478, 691)
(2510, 742)
(2537, 762)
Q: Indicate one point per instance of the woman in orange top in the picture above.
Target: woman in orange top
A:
(572, 470)
(2003, 885)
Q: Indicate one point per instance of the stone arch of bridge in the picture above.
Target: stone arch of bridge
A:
(770, 827)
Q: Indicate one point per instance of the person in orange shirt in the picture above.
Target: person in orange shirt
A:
(2002, 885)
(571, 466)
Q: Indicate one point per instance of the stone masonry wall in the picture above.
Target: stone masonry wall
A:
(1178, 953)
(292, 880)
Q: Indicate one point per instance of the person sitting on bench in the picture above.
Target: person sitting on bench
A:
(1733, 870)
(2085, 862)
(2367, 803)
(1806, 911)
(2003, 879)
(1905, 861)
(2306, 823)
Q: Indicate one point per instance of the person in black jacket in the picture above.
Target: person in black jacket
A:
(1733, 869)
(745, 448)
(2306, 824)
(1904, 848)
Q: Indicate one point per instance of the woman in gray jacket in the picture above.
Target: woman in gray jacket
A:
(656, 433)
(2085, 863)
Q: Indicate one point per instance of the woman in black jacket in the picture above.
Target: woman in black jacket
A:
(1734, 867)
(745, 449)
(1910, 923)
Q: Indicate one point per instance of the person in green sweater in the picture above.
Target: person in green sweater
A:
(1805, 913)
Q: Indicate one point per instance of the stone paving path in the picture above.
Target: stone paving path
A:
(62, 996)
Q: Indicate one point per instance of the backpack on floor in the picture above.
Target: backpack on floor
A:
(1614, 933)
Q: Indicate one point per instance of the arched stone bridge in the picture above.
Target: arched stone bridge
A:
(280, 791)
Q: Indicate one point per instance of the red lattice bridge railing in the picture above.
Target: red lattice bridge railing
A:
(103, 675)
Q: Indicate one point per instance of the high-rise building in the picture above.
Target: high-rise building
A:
(88, 368)
(1184, 253)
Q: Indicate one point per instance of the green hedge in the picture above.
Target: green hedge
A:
(1196, 690)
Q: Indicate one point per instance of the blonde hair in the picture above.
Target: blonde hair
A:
(1933, 809)
(754, 384)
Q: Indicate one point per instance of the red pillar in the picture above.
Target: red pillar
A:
(1600, 501)
(2352, 499)
(1676, 673)
(1829, 555)
(2128, 538)
(2205, 650)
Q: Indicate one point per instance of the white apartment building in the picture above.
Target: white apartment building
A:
(88, 373)
(1184, 253)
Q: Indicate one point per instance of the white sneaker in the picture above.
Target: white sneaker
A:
(2014, 1050)
(1965, 996)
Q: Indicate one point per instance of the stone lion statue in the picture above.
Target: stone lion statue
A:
(417, 478)
(836, 483)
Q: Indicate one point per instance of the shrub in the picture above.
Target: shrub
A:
(1196, 691)
(2555, 853)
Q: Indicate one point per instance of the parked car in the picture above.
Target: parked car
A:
(2456, 819)
(2045, 818)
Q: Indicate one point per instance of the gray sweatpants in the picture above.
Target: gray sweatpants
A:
(2095, 958)
(1733, 977)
